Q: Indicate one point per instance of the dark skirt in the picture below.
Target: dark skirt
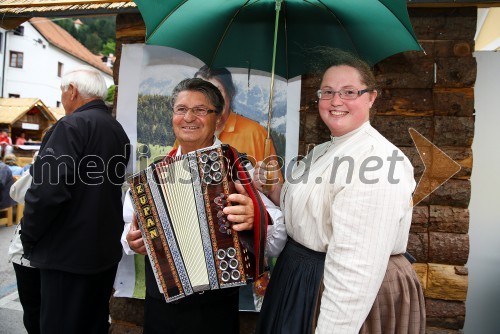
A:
(209, 312)
(291, 304)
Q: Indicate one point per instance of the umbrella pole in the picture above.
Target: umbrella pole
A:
(268, 142)
(273, 63)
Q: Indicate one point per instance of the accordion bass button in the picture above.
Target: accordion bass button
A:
(217, 177)
(223, 265)
(221, 254)
(206, 169)
(204, 158)
(214, 156)
(231, 252)
(225, 276)
(233, 263)
(235, 275)
(215, 166)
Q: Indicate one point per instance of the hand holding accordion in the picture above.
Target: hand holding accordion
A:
(180, 204)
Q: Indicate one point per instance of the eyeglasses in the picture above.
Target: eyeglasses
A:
(344, 94)
(197, 111)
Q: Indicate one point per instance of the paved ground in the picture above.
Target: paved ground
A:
(11, 314)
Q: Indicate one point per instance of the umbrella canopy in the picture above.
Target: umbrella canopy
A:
(240, 33)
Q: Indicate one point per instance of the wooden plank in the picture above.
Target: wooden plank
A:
(313, 130)
(33, 3)
(448, 219)
(453, 131)
(404, 102)
(437, 308)
(7, 216)
(420, 219)
(437, 330)
(456, 72)
(421, 270)
(453, 101)
(444, 283)
(405, 70)
(309, 98)
(418, 246)
(453, 192)
(130, 26)
(463, 156)
(417, 163)
(395, 128)
(13, 22)
(447, 48)
(452, 3)
(457, 23)
(448, 248)
(453, 48)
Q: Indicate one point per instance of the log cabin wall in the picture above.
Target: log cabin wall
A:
(432, 93)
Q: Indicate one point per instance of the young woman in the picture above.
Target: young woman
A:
(348, 214)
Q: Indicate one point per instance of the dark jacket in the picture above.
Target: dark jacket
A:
(6, 181)
(73, 213)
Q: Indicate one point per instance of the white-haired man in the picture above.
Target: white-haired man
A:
(73, 215)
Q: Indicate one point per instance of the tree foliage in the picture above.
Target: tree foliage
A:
(110, 98)
(154, 120)
(98, 34)
(279, 141)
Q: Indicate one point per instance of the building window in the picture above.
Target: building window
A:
(58, 104)
(19, 31)
(1, 42)
(16, 59)
(15, 96)
(60, 67)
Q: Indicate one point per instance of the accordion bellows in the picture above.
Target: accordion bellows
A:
(190, 243)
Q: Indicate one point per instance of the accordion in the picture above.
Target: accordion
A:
(189, 241)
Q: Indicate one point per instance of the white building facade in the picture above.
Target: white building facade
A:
(32, 66)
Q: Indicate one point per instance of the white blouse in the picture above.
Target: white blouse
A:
(351, 198)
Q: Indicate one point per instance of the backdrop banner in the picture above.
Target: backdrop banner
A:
(147, 77)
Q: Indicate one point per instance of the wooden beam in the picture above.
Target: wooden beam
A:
(453, 3)
(13, 22)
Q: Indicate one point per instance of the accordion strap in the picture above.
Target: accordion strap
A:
(171, 154)
(261, 217)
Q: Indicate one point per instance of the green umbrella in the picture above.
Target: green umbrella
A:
(274, 35)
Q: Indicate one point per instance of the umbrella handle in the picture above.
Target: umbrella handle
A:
(271, 166)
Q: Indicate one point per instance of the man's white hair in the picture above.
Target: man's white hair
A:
(88, 80)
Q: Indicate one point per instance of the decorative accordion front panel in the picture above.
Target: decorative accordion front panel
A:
(190, 243)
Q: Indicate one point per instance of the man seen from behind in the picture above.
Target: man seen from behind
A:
(73, 211)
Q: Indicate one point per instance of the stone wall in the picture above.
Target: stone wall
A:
(432, 93)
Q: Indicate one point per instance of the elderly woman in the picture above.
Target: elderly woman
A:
(348, 214)
(197, 106)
